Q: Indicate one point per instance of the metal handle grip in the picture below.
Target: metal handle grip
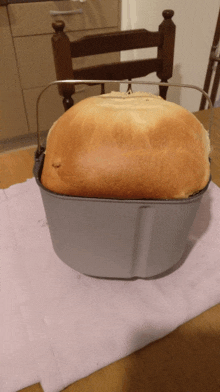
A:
(123, 82)
(71, 12)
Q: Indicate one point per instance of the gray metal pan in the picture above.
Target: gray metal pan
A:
(111, 238)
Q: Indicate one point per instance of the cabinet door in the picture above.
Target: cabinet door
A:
(35, 58)
(12, 112)
(31, 27)
(36, 68)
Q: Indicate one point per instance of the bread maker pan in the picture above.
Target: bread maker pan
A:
(111, 238)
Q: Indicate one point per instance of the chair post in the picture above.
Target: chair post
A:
(166, 50)
(63, 63)
(103, 88)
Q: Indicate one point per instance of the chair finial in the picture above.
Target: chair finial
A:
(58, 26)
(168, 14)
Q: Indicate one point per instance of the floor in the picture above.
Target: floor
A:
(16, 164)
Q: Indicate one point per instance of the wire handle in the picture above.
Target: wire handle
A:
(123, 82)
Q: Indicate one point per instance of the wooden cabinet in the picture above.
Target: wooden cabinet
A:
(13, 121)
(30, 31)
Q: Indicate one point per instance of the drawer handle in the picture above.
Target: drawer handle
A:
(71, 12)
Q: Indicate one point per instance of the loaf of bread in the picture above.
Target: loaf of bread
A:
(127, 146)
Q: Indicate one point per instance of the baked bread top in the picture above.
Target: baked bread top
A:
(127, 146)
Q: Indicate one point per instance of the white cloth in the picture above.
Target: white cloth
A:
(59, 326)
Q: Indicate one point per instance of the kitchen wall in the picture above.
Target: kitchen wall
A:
(195, 26)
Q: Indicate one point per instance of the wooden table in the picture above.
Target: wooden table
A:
(186, 360)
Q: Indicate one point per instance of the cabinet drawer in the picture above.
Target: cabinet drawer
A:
(35, 18)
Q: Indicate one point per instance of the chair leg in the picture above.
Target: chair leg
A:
(129, 89)
(68, 102)
(163, 90)
(102, 88)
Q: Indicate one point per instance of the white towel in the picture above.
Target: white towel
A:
(59, 325)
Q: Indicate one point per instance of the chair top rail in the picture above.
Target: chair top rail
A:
(115, 42)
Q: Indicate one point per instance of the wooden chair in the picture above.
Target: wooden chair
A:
(65, 51)
(214, 60)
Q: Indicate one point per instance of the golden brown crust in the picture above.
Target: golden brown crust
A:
(124, 146)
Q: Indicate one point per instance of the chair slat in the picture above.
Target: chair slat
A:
(115, 42)
(119, 71)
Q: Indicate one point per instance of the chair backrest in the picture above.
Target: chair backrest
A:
(65, 51)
